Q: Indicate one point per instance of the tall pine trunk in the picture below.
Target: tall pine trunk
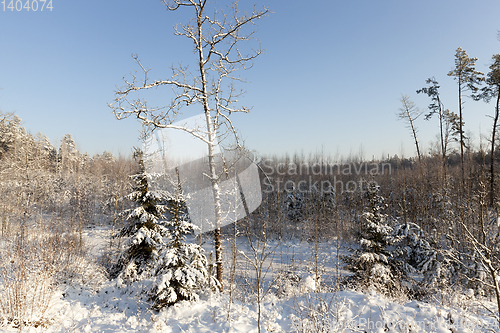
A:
(492, 162)
(461, 130)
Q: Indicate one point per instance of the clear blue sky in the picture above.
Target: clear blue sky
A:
(329, 80)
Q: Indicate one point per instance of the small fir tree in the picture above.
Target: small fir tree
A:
(373, 264)
(414, 252)
(294, 204)
(417, 253)
(181, 271)
(144, 230)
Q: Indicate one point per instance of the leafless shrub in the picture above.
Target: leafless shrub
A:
(32, 265)
(260, 258)
(27, 274)
(318, 312)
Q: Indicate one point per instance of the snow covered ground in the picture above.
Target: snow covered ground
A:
(98, 305)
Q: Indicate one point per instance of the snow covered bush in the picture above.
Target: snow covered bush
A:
(412, 250)
(415, 252)
(26, 281)
(426, 255)
(287, 283)
(36, 265)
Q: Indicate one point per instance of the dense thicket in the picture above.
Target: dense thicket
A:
(38, 179)
(298, 192)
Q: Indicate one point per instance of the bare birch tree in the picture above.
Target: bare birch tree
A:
(221, 45)
(409, 113)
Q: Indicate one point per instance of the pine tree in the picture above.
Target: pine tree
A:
(12, 134)
(68, 154)
(436, 107)
(492, 91)
(468, 79)
(181, 271)
(144, 231)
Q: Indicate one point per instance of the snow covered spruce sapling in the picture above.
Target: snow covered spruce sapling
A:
(144, 231)
(176, 268)
(416, 253)
(181, 270)
(372, 264)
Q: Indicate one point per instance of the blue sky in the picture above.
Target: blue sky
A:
(329, 81)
